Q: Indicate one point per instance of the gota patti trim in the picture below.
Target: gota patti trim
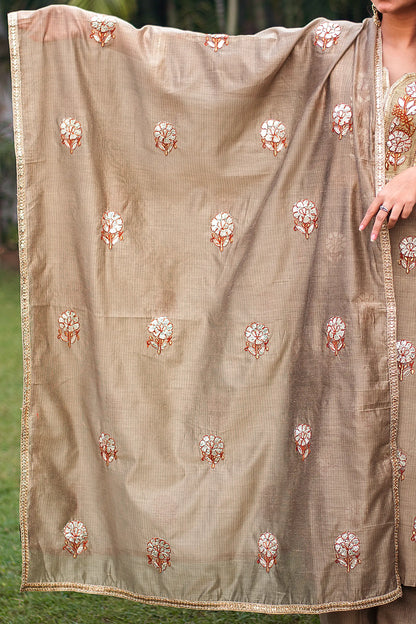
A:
(217, 605)
(389, 292)
(24, 283)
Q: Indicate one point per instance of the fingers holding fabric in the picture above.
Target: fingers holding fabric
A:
(407, 210)
(395, 213)
(396, 200)
(371, 212)
(390, 214)
(399, 212)
(381, 212)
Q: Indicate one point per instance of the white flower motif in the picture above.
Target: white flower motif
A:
(394, 159)
(273, 135)
(268, 548)
(335, 328)
(68, 327)
(161, 332)
(342, 120)
(257, 339)
(405, 358)
(326, 35)
(112, 228)
(158, 553)
(399, 142)
(401, 461)
(408, 105)
(302, 435)
(71, 133)
(401, 129)
(397, 145)
(222, 229)
(347, 550)
(212, 449)
(102, 29)
(165, 137)
(305, 216)
(107, 448)
(335, 333)
(76, 537)
(216, 42)
(408, 253)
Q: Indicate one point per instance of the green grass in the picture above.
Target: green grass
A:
(63, 607)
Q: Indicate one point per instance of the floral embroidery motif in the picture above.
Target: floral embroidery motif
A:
(401, 128)
(326, 35)
(273, 135)
(413, 538)
(68, 327)
(76, 538)
(161, 332)
(401, 461)
(257, 339)
(158, 553)
(112, 231)
(268, 551)
(347, 550)
(107, 448)
(71, 133)
(216, 42)
(165, 137)
(335, 334)
(102, 29)
(302, 436)
(212, 449)
(408, 253)
(222, 228)
(342, 120)
(305, 216)
(411, 89)
(398, 144)
(335, 246)
(405, 358)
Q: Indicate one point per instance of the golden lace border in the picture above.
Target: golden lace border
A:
(217, 605)
(24, 280)
(391, 319)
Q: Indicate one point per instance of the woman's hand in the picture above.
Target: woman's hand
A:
(398, 197)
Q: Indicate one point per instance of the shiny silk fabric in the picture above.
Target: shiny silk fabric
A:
(210, 404)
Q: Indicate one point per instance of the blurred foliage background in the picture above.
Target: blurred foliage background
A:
(230, 16)
(245, 16)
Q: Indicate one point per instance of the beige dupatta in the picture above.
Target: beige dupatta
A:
(210, 372)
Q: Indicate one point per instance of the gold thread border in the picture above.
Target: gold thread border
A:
(390, 299)
(24, 288)
(217, 605)
(24, 282)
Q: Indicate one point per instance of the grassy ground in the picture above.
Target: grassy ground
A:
(62, 608)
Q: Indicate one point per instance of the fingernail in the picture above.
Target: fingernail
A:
(373, 237)
(361, 228)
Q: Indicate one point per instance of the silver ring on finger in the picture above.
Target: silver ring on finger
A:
(384, 209)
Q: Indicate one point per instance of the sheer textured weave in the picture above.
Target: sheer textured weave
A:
(210, 403)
